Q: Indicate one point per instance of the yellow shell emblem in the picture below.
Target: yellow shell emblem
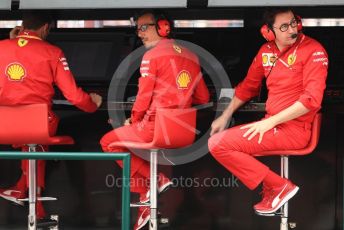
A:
(15, 72)
(183, 79)
(22, 42)
(291, 59)
(265, 59)
(177, 48)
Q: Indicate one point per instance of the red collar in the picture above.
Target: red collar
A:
(29, 34)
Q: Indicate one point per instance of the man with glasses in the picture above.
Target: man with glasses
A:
(295, 68)
(29, 69)
(170, 78)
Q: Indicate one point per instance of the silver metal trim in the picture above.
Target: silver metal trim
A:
(226, 3)
(100, 4)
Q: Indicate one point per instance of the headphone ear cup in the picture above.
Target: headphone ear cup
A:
(267, 33)
(163, 27)
(299, 23)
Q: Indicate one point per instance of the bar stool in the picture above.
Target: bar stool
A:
(174, 128)
(315, 133)
(29, 125)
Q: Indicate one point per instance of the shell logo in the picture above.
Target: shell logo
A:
(183, 79)
(265, 59)
(15, 72)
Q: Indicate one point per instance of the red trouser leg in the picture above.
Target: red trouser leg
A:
(236, 153)
(53, 123)
(138, 132)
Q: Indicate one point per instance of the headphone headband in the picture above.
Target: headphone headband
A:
(268, 33)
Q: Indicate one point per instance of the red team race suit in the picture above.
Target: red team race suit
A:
(29, 68)
(297, 73)
(170, 78)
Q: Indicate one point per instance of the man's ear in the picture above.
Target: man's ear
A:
(45, 30)
(46, 27)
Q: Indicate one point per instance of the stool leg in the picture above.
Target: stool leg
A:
(284, 209)
(32, 221)
(153, 190)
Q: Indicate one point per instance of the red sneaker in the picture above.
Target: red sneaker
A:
(142, 217)
(40, 212)
(266, 195)
(163, 184)
(13, 194)
(274, 198)
(144, 197)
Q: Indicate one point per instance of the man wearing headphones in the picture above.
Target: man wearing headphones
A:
(29, 68)
(295, 68)
(170, 78)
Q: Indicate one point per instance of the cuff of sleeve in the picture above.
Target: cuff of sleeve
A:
(308, 103)
(240, 95)
(136, 116)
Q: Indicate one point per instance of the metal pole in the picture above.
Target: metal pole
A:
(126, 193)
(284, 174)
(153, 190)
(32, 221)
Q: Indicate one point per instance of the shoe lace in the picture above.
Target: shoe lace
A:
(266, 194)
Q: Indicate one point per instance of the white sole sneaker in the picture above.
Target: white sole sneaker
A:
(161, 189)
(281, 203)
(164, 187)
(142, 221)
(12, 199)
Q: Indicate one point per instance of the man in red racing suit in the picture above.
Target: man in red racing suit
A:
(170, 77)
(29, 68)
(295, 68)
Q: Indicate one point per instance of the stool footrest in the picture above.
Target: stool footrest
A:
(164, 221)
(279, 214)
(40, 199)
(48, 223)
(139, 204)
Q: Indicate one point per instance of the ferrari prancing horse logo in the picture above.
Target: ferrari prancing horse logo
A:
(291, 59)
(22, 42)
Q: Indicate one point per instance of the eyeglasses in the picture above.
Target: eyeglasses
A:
(144, 27)
(284, 27)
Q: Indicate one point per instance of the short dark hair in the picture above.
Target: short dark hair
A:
(157, 14)
(144, 12)
(269, 15)
(34, 20)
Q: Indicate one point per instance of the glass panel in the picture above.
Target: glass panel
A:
(322, 22)
(208, 23)
(10, 24)
(92, 23)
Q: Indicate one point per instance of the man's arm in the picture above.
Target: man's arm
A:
(260, 127)
(201, 92)
(15, 31)
(247, 89)
(64, 80)
(220, 123)
(146, 88)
